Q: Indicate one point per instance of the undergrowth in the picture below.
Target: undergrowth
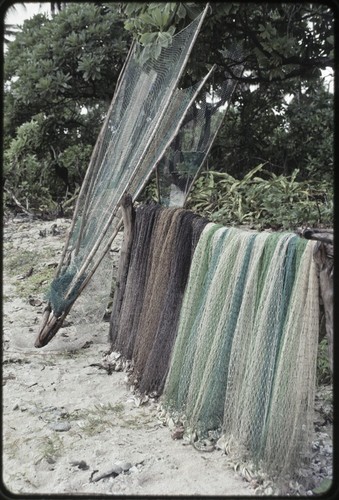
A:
(275, 201)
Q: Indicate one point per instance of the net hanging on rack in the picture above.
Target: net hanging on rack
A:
(243, 365)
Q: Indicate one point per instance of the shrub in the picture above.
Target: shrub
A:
(276, 201)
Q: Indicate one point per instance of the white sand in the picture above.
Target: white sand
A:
(56, 385)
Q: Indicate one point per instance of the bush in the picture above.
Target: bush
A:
(276, 201)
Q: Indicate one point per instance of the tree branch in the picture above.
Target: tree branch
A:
(17, 202)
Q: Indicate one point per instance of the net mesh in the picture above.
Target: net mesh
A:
(156, 364)
(184, 157)
(192, 307)
(155, 283)
(243, 364)
(91, 305)
(267, 325)
(160, 264)
(288, 433)
(123, 337)
(144, 116)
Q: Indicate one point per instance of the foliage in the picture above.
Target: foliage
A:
(24, 172)
(37, 284)
(60, 75)
(77, 54)
(154, 24)
(275, 201)
(282, 114)
(323, 367)
(286, 134)
(19, 263)
(278, 41)
(50, 448)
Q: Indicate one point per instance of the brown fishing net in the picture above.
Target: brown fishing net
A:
(124, 328)
(145, 328)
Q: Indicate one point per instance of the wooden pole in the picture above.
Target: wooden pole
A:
(128, 215)
(323, 256)
(91, 166)
(55, 323)
(135, 195)
(99, 145)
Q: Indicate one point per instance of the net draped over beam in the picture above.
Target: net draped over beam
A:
(243, 364)
(223, 325)
(144, 329)
(145, 115)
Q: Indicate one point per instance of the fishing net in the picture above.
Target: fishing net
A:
(155, 291)
(288, 433)
(243, 364)
(123, 331)
(157, 336)
(205, 401)
(263, 345)
(183, 159)
(270, 394)
(145, 115)
(87, 310)
(146, 327)
(192, 307)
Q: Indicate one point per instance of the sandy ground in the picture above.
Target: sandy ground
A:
(66, 422)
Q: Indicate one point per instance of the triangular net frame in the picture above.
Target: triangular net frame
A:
(186, 155)
(145, 115)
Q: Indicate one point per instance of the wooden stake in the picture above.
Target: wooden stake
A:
(323, 256)
(91, 166)
(128, 215)
(55, 323)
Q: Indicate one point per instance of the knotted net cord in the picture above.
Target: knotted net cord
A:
(123, 338)
(288, 433)
(154, 371)
(159, 272)
(206, 403)
(185, 156)
(191, 306)
(244, 367)
(253, 395)
(145, 115)
(155, 284)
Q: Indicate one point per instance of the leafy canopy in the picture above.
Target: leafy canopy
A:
(60, 75)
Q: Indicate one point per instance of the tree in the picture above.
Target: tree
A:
(77, 55)
(278, 41)
(10, 30)
(285, 131)
(60, 76)
(57, 7)
(283, 115)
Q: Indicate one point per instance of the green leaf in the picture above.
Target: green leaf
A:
(156, 51)
(181, 12)
(164, 39)
(158, 18)
(148, 38)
